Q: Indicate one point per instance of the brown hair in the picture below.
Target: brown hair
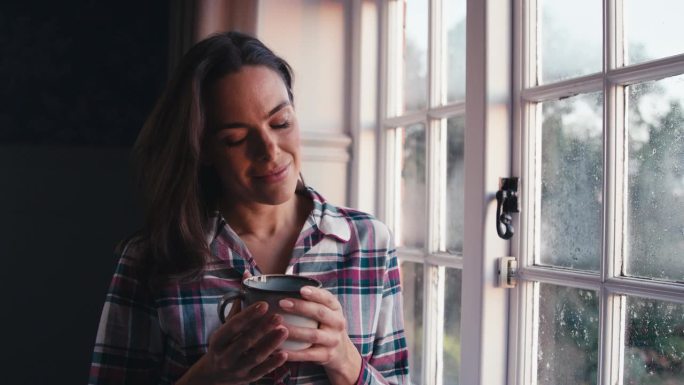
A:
(179, 192)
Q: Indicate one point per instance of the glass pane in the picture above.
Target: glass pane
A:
(572, 182)
(655, 212)
(412, 288)
(653, 29)
(654, 343)
(455, 24)
(412, 201)
(415, 54)
(568, 336)
(571, 34)
(454, 193)
(452, 327)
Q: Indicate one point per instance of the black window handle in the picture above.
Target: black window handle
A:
(506, 204)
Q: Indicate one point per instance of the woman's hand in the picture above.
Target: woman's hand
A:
(242, 350)
(331, 346)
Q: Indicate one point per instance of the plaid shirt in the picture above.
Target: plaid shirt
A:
(149, 337)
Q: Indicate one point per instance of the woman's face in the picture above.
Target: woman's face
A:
(253, 137)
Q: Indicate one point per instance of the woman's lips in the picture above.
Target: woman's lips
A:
(276, 175)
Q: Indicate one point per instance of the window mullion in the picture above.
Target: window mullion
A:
(652, 70)
(395, 82)
(404, 120)
(433, 316)
(382, 193)
(611, 313)
(647, 288)
(436, 172)
(612, 337)
(434, 275)
(436, 48)
(434, 278)
(393, 181)
(534, 322)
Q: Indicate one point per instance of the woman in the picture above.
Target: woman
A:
(219, 163)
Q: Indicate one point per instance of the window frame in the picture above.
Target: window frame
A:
(484, 312)
(433, 118)
(611, 286)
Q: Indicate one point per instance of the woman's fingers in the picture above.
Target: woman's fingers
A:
(321, 296)
(251, 336)
(235, 326)
(312, 336)
(271, 363)
(263, 348)
(318, 354)
(330, 344)
(321, 313)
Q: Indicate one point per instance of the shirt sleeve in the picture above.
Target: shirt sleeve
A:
(389, 362)
(128, 347)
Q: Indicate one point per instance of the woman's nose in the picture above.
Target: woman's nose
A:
(266, 146)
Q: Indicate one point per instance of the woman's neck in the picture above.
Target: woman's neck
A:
(263, 221)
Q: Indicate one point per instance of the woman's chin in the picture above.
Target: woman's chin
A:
(275, 194)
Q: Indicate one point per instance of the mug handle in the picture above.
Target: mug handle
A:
(230, 296)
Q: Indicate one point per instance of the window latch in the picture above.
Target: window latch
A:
(506, 204)
(508, 272)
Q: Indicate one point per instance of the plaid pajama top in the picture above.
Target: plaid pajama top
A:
(149, 337)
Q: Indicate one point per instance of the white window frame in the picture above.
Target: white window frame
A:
(434, 262)
(608, 282)
(484, 309)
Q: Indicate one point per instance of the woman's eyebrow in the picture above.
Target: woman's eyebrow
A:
(278, 108)
(273, 111)
(226, 126)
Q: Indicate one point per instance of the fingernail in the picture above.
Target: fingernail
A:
(276, 319)
(282, 332)
(260, 307)
(306, 291)
(286, 304)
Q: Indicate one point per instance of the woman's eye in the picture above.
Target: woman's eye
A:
(284, 124)
(232, 142)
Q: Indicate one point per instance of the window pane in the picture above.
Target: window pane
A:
(568, 336)
(412, 221)
(571, 38)
(415, 54)
(653, 29)
(656, 180)
(654, 343)
(454, 193)
(572, 182)
(452, 327)
(455, 25)
(412, 288)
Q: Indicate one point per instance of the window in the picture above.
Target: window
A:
(602, 160)
(589, 97)
(423, 123)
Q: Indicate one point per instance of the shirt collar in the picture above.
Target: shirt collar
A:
(329, 219)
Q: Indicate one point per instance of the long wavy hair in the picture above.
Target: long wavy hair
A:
(179, 192)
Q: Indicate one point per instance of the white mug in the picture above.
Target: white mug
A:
(271, 288)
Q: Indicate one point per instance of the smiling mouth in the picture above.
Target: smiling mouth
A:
(275, 175)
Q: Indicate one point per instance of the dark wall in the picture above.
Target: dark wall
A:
(77, 79)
